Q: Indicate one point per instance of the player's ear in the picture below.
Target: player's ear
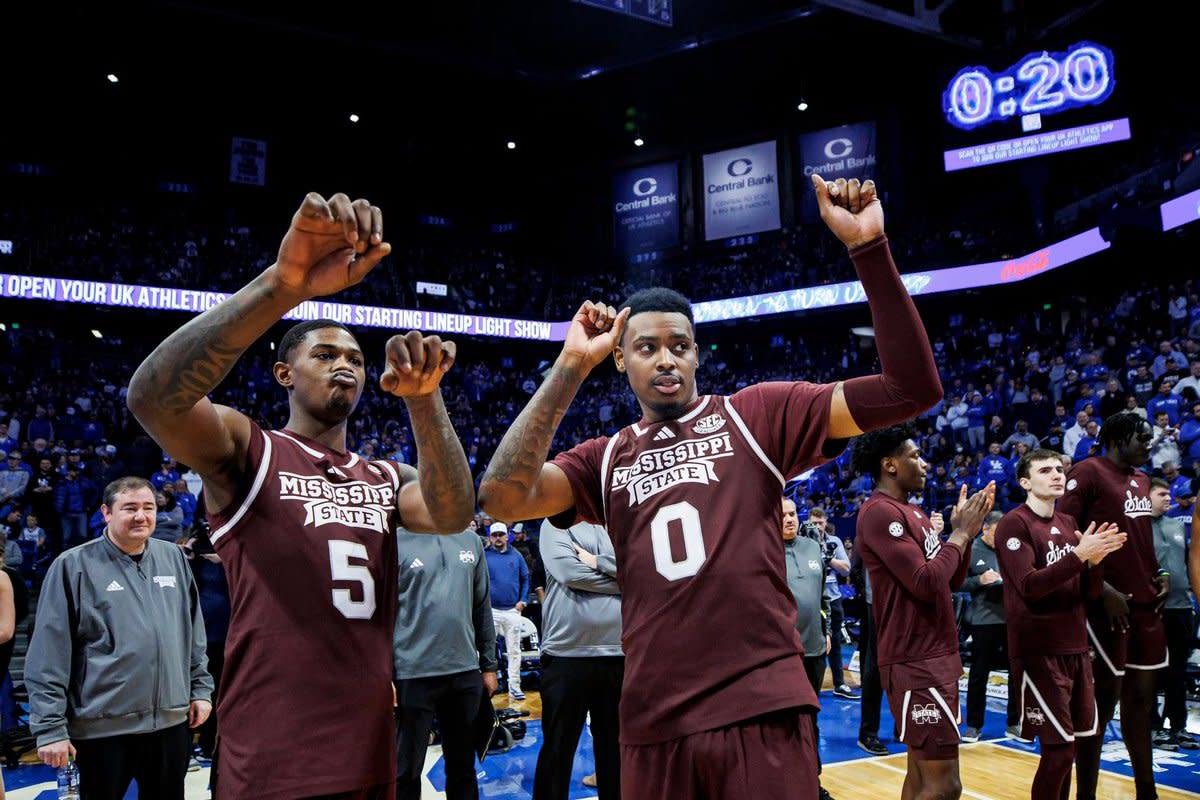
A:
(283, 374)
(619, 359)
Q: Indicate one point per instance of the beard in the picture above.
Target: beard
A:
(339, 406)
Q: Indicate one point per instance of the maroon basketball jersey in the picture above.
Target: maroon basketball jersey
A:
(309, 547)
(912, 571)
(1044, 583)
(693, 509)
(1099, 491)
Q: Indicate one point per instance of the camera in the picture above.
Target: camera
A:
(813, 530)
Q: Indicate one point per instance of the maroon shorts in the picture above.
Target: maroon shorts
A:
(923, 697)
(770, 757)
(1058, 697)
(1144, 647)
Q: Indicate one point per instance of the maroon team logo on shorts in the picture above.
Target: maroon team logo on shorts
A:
(926, 715)
(1035, 716)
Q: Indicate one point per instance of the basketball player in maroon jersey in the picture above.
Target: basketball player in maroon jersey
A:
(1049, 570)
(690, 495)
(1124, 624)
(912, 571)
(304, 528)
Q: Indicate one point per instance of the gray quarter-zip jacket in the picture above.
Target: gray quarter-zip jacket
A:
(444, 623)
(118, 646)
(582, 614)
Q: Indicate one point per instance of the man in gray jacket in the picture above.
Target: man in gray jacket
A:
(444, 656)
(803, 556)
(1171, 549)
(116, 669)
(989, 632)
(582, 661)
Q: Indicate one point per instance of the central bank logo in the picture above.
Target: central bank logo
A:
(739, 167)
(645, 186)
(838, 148)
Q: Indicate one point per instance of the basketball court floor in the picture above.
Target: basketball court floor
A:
(992, 769)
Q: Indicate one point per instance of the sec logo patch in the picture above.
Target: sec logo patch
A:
(1013, 544)
(896, 529)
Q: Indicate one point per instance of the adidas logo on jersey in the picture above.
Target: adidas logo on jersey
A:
(336, 471)
(1054, 531)
(710, 424)
(663, 435)
(416, 562)
(1133, 484)
(981, 563)
(115, 587)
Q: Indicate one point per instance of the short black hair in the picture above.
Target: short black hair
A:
(871, 448)
(1118, 428)
(1041, 454)
(659, 298)
(296, 334)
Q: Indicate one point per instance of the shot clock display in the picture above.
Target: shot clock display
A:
(1041, 83)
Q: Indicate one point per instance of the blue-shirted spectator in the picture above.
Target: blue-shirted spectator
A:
(1166, 401)
(510, 588)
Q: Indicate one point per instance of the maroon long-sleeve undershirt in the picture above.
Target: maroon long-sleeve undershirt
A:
(909, 382)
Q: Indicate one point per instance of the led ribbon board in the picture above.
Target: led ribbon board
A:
(28, 287)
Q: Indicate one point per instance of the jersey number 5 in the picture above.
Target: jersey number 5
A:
(340, 553)
(693, 541)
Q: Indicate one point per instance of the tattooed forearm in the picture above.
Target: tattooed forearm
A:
(519, 458)
(442, 469)
(196, 358)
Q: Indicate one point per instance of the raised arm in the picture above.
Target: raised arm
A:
(439, 495)
(518, 483)
(909, 383)
(329, 246)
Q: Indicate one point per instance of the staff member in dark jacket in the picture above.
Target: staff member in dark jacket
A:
(116, 668)
(443, 656)
(988, 631)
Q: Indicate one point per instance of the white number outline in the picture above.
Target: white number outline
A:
(693, 541)
(340, 568)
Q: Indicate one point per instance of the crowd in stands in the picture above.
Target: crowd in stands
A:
(1011, 383)
(176, 247)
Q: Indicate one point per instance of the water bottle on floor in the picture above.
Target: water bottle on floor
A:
(68, 781)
